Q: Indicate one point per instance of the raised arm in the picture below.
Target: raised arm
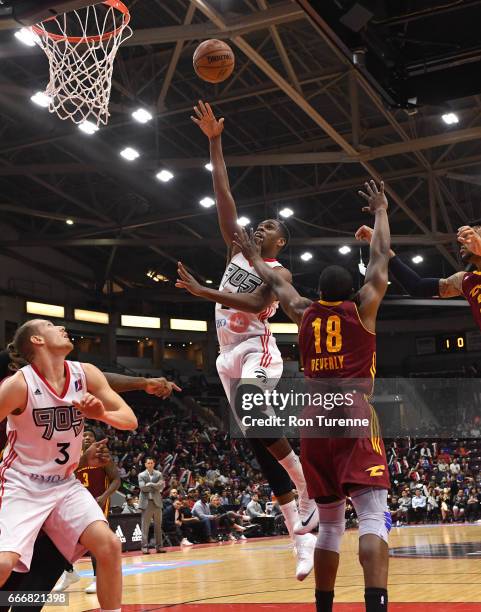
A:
(226, 208)
(161, 387)
(375, 284)
(103, 403)
(254, 302)
(414, 284)
(292, 303)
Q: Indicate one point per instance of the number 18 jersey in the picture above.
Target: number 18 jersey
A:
(46, 439)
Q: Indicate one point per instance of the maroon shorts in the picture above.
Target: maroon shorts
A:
(332, 465)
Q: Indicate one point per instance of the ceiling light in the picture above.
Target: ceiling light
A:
(41, 99)
(130, 154)
(450, 118)
(208, 282)
(142, 116)
(209, 167)
(157, 277)
(243, 221)
(165, 176)
(69, 221)
(306, 256)
(344, 250)
(88, 127)
(417, 259)
(286, 213)
(26, 36)
(207, 202)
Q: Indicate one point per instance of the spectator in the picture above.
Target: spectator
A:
(432, 506)
(445, 508)
(472, 506)
(202, 511)
(231, 521)
(418, 506)
(130, 506)
(454, 468)
(254, 509)
(172, 522)
(404, 504)
(459, 507)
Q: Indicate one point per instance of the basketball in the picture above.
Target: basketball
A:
(213, 61)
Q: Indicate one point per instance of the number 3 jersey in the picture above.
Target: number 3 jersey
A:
(46, 439)
(235, 326)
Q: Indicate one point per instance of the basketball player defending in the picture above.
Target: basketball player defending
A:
(45, 403)
(343, 324)
(248, 350)
(467, 284)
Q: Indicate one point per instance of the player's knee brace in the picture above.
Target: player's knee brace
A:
(332, 524)
(372, 512)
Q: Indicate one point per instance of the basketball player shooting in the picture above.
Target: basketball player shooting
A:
(45, 404)
(466, 284)
(343, 323)
(248, 351)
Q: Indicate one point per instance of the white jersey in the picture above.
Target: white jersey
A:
(235, 326)
(46, 439)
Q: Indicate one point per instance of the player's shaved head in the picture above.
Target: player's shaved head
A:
(21, 347)
(335, 284)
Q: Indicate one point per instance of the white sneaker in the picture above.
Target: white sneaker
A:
(232, 537)
(66, 579)
(242, 537)
(304, 546)
(308, 516)
(185, 542)
(92, 588)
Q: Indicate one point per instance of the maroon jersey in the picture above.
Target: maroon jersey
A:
(472, 292)
(95, 480)
(334, 343)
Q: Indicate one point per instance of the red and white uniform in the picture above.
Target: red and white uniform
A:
(38, 488)
(248, 349)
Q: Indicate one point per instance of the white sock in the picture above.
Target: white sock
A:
(291, 515)
(292, 464)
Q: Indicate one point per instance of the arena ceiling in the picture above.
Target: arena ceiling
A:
(305, 125)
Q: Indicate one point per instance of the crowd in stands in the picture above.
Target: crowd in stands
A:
(213, 483)
(434, 481)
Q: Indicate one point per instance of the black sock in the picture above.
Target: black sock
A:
(324, 601)
(376, 600)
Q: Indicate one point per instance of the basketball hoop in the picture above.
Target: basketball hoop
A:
(81, 47)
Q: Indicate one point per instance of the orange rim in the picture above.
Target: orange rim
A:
(116, 4)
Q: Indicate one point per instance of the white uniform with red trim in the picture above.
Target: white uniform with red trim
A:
(248, 350)
(38, 488)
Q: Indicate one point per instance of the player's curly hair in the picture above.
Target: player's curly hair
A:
(20, 349)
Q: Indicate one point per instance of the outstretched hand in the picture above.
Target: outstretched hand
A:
(187, 281)
(375, 197)
(206, 120)
(97, 454)
(249, 245)
(160, 387)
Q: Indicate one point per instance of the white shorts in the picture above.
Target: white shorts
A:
(63, 510)
(256, 361)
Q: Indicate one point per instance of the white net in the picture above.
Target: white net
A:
(81, 47)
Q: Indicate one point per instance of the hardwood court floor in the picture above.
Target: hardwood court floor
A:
(437, 564)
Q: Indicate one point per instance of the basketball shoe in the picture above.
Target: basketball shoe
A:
(304, 550)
